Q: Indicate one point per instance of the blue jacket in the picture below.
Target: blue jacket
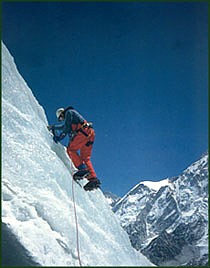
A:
(71, 119)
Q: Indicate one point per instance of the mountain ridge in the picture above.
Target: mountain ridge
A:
(154, 219)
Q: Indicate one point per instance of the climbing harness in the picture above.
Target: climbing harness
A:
(76, 224)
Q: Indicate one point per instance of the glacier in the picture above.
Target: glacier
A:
(37, 201)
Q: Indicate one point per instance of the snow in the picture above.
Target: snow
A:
(109, 200)
(156, 185)
(37, 190)
(194, 168)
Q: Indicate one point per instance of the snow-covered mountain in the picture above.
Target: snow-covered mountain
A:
(37, 191)
(168, 220)
(111, 198)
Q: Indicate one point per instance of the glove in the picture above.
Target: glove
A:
(59, 138)
(50, 127)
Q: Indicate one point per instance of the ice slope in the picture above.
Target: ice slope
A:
(37, 190)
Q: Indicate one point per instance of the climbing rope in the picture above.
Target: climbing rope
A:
(76, 224)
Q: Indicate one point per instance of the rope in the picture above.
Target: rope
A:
(76, 224)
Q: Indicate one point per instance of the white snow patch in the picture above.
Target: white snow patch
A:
(156, 185)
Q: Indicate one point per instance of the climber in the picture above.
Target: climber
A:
(81, 134)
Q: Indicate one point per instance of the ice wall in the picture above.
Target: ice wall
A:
(37, 190)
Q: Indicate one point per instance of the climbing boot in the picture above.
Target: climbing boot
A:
(93, 183)
(81, 174)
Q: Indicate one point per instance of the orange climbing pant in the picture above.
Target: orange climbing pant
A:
(82, 142)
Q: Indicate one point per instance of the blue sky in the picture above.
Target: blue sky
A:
(138, 71)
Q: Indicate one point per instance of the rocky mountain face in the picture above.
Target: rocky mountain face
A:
(168, 220)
